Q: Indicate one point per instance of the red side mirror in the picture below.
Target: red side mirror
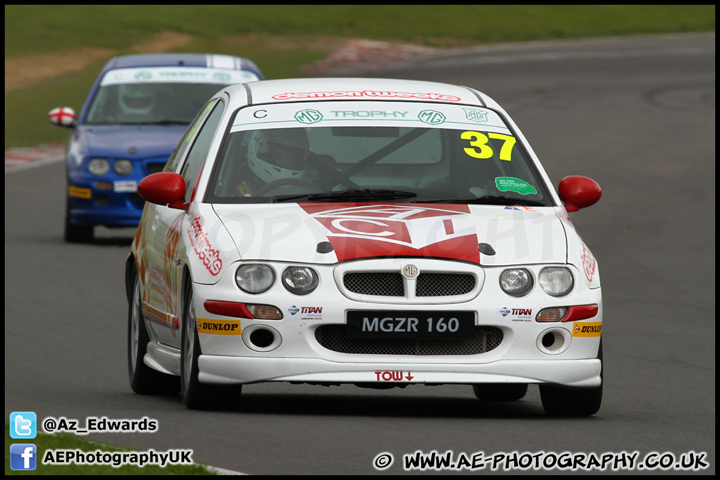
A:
(578, 192)
(164, 188)
(62, 117)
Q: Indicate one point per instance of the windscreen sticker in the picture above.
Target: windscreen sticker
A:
(587, 329)
(479, 147)
(367, 93)
(512, 184)
(476, 115)
(177, 75)
(387, 114)
(433, 117)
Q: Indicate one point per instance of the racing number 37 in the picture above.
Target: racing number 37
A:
(480, 141)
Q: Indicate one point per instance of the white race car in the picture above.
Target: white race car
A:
(366, 231)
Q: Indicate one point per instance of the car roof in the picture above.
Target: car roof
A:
(323, 89)
(182, 59)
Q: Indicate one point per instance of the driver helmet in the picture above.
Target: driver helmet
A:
(278, 154)
(135, 100)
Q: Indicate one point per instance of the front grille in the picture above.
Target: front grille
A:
(333, 337)
(385, 284)
(443, 284)
(390, 284)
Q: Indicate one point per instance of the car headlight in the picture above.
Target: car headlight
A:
(254, 278)
(123, 167)
(99, 166)
(516, 281)
(556, 281)
(300, 280)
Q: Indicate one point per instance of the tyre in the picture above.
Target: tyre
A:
(568, 402)
(500, 391)
(196, 395)
(76, 233)
(143, 379)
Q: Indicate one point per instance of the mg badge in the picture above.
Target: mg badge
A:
(410, 271)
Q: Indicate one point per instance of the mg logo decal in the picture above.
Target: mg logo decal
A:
(222, 77)
(145, 75)
(410, 271)
(431, 116)
(308, 116)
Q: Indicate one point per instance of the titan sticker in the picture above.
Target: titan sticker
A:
(219, 327)
(515, 314)
(587, 329)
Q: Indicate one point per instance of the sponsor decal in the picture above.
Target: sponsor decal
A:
(176, 75)
(480, 147)
(218, 327)
(519, 207)
(515, 314)
(308, 116)
(306, 313)
(512, 184)
(416, 230)
(125, 186)
(367, 114)
(475, 115)
(393, 376)
(201, 245)
(80, 192)
(366, 93)
(588, 262)
(587, 329)
(432, 117)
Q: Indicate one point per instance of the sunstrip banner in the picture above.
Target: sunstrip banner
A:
(413, 230)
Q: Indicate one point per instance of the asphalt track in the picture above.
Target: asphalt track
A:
(635, 114)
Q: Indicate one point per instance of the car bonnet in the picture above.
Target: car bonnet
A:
(327, 233)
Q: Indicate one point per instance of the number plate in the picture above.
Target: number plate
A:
(413, 324)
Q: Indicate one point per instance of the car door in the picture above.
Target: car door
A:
(168, 224)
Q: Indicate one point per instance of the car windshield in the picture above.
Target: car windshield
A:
(158, 95)
(373, 151)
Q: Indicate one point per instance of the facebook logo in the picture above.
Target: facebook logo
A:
(23, 425)
(23, 456)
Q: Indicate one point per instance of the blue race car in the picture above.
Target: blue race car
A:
(136, 112)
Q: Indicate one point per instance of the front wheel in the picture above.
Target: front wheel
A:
(196, 395)
(568, 402)
(143, 379)
(76, 233)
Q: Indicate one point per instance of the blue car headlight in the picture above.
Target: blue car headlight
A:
(99, 166)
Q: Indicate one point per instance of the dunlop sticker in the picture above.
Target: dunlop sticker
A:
(587, 329)
(219, 327)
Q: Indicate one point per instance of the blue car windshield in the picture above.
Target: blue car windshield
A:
(149, 103)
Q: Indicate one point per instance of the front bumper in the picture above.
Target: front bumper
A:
(507, 347)
(228, 370)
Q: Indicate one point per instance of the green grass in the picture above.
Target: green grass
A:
(56, 29)
(66, 441)
(31, 29)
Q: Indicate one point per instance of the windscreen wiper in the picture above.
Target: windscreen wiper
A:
(351, 194)
(491, 200)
